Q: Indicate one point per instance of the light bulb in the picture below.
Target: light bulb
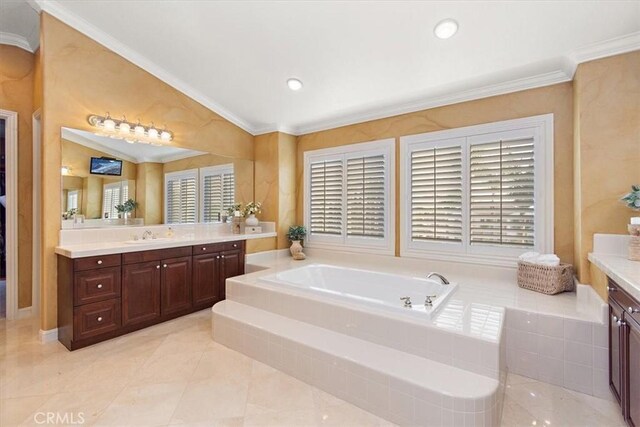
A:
(446, 28)
(294, 84)
(109, 124)
(165, 135)
(124, 128)
(65, 170)
(139, 129)
(152, 132)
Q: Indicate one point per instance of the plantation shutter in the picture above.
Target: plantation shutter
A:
(72, 200)
(436, 194)
(228, 190)
(212, 198)
(366, 196)
(326, 194)
(218, 191)
(181, 198)
(502, 193)
(110, 199)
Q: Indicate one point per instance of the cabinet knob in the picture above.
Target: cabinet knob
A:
(204, 249)
(615, 318)
(99, 286)
(235, 245)
(218, 257)
(221, 256)
(158, 266)
(99, 262)
(99, 319)
(164, 265)
(620, 323)
(632, 310)
(611, 289)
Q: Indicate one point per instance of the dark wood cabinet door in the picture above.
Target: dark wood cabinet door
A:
(205, 284)
(633, 372)
(232, 264)
(176, 285)
(140, 292)
(615, 350)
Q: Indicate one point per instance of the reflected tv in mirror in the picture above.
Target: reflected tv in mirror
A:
(106, 166)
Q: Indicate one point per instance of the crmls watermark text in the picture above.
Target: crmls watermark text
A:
(56, 418)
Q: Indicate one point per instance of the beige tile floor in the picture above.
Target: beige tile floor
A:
(174, 374)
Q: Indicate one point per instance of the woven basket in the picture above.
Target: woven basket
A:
(546, 279)
(634, 248)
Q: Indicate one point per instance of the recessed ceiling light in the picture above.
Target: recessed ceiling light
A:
(294, 84)
(446, 28)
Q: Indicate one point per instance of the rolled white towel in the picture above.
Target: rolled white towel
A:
(529, 256)
(550, 260)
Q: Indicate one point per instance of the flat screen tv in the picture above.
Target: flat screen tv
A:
(106, 166)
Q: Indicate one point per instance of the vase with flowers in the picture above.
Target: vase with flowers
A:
(295, 235)
(632, 200)
(250, 211)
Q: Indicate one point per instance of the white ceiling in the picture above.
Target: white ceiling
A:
(358, 60)
(19, 24)
(136, 153)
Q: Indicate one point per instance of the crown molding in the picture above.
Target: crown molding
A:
(54, 8)
(17, 41)
(616, 46)
(454, 97)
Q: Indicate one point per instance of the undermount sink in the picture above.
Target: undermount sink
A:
(148, 241)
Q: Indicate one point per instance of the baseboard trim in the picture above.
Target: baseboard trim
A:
(49, 335)
(24, 313)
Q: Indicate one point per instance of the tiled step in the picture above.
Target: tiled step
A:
(401, 387)
(481, 349)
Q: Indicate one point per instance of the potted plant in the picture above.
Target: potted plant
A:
(632, 200)
(250, 211)
(295, 235)
(126, 208)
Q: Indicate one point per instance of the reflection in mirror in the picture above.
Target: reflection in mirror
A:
(108, 182)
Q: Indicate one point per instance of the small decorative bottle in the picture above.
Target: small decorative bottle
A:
(237, 222)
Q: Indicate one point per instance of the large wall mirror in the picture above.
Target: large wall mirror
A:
(109, 182)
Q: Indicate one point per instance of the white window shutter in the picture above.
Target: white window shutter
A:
(228, 190)
(212, 198)
(436, 194)
(181, 198)
(365, 196)
(326, 197)
(502, 193)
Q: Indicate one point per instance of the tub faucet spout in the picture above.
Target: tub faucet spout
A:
(439, 276)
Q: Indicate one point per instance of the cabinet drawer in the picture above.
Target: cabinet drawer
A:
(229, 246)
(95, 319)
(155, 255)
(96, 285)
(208, 248)
(90, 263)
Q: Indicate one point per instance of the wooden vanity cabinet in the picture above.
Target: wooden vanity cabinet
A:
(624, 352)
(103, 297)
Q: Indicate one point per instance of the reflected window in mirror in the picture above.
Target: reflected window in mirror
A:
(72, 200)
(217, 192)
(114, 194)
(181, 197)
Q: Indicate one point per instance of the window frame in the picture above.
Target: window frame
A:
(540, 128)
(188, 173)
(343, 242)
(212, 171)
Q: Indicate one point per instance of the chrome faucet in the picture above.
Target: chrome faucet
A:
(147, 234)
(439, 276)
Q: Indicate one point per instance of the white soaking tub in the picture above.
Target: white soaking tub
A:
(368, 288)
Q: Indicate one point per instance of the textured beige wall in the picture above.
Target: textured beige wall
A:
(556, 99)
(149, 191)
(82, 77)
(607, 148)
(261, 245)
(275, 181)
(16, 94)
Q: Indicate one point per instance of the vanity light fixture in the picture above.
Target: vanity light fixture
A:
(446, 28)
(294, 84)
(132, 133)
